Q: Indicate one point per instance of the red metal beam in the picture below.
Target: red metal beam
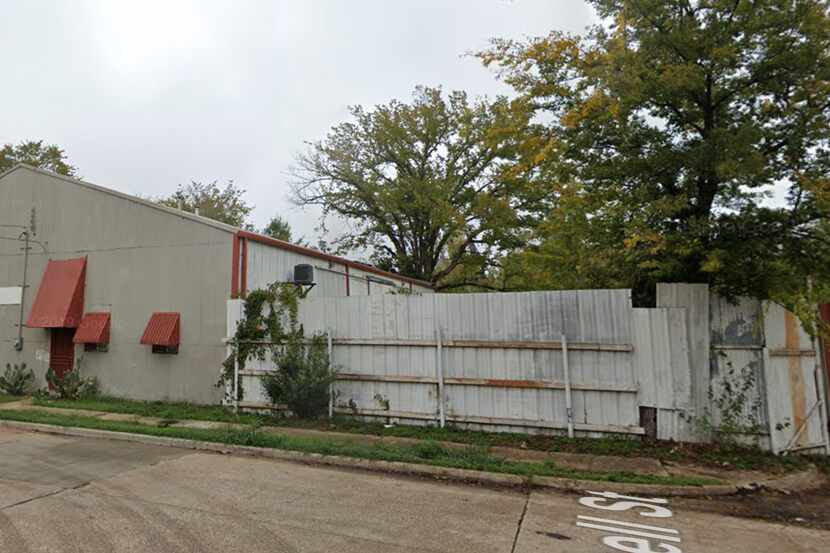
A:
(244, 286)
(235, 267)
(348, 282)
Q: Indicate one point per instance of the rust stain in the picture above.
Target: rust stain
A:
(796, 375)
(513, 383)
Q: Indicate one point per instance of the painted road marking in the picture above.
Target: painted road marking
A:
(630, 537)
(629, 524)
(629, 532)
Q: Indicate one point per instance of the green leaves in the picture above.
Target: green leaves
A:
(676, 119)
(36, 154)
(278, 228)
(214, 202)
(419, 182)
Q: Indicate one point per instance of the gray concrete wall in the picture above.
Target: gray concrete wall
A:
(140, 259)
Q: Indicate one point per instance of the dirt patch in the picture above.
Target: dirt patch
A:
(810, 509)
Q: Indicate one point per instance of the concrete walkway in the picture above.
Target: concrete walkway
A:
(66, 494)
(576, 461)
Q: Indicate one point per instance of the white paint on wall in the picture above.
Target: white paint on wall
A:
(10, 295)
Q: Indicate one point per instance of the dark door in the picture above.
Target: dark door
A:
(62, 350)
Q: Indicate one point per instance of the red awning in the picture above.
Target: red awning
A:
(60, 299)
(162, 330)
(94, 329)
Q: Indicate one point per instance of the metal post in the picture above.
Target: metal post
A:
(568, 404)
(331, 386)
(236, 382)
(439, 369)
(19, 344)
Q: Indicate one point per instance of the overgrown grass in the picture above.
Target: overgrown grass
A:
(5, 398)
(173, 411)
(722, 456)
(427, 452)
(822, 462)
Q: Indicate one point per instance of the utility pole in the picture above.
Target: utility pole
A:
(27, 234)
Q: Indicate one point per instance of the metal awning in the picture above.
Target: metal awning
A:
(162, 330)
(94, 329)
(60, 299)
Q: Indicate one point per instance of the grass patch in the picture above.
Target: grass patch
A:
(173, 411)
(5, 398)
(713, 455)
(428, 452)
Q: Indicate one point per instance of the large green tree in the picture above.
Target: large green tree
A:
(37, 154)
(659, 135)
(420, 184)
(225, 204)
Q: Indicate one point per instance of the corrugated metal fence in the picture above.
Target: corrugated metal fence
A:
(497, 361)
(499, 356)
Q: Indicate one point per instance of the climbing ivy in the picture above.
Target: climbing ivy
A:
(270, 317)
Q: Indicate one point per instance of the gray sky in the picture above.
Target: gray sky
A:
(145, 95)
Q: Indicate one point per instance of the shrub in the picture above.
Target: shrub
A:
(734, 411)
(17, 380)
(302, 378)
(72, 385)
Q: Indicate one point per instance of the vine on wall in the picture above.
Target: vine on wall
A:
(270, 318)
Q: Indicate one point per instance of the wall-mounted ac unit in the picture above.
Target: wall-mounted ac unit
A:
(304, 274)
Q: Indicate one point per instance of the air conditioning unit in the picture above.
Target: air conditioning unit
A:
(304, 275)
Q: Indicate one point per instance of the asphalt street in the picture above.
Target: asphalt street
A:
(64, 494)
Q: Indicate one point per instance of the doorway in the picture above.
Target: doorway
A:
(62, 351)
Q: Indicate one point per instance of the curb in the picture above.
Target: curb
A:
(411, 469)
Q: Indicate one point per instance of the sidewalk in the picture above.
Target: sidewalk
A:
(574, 461)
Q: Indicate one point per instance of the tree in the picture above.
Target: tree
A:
(278, 228)
(37, 154)
(220, 204)
(417, 183)
(668, 124)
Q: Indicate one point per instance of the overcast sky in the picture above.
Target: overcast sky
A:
(145, 95)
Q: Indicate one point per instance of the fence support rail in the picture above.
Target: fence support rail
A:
(331, 364)
(469, 381)
(569, 411)
(439, 369)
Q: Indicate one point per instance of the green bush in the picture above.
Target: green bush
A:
(303, 377)
(17, 380)
(72, 385)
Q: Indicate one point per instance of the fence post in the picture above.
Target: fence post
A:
(235, 383)
(568, 405)
(331, 364)
(820, 372)
(439, 369)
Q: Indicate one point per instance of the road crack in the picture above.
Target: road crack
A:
(45, 495)
(519, 524)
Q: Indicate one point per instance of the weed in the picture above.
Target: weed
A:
(17, 379)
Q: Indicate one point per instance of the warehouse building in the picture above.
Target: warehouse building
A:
(136, 292)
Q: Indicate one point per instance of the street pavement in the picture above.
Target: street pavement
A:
(65, 494)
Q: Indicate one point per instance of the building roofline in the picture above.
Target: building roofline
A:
(135, 199)
(267, 240)
(260, 238)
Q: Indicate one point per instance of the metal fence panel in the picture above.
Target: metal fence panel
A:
(501, 357)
